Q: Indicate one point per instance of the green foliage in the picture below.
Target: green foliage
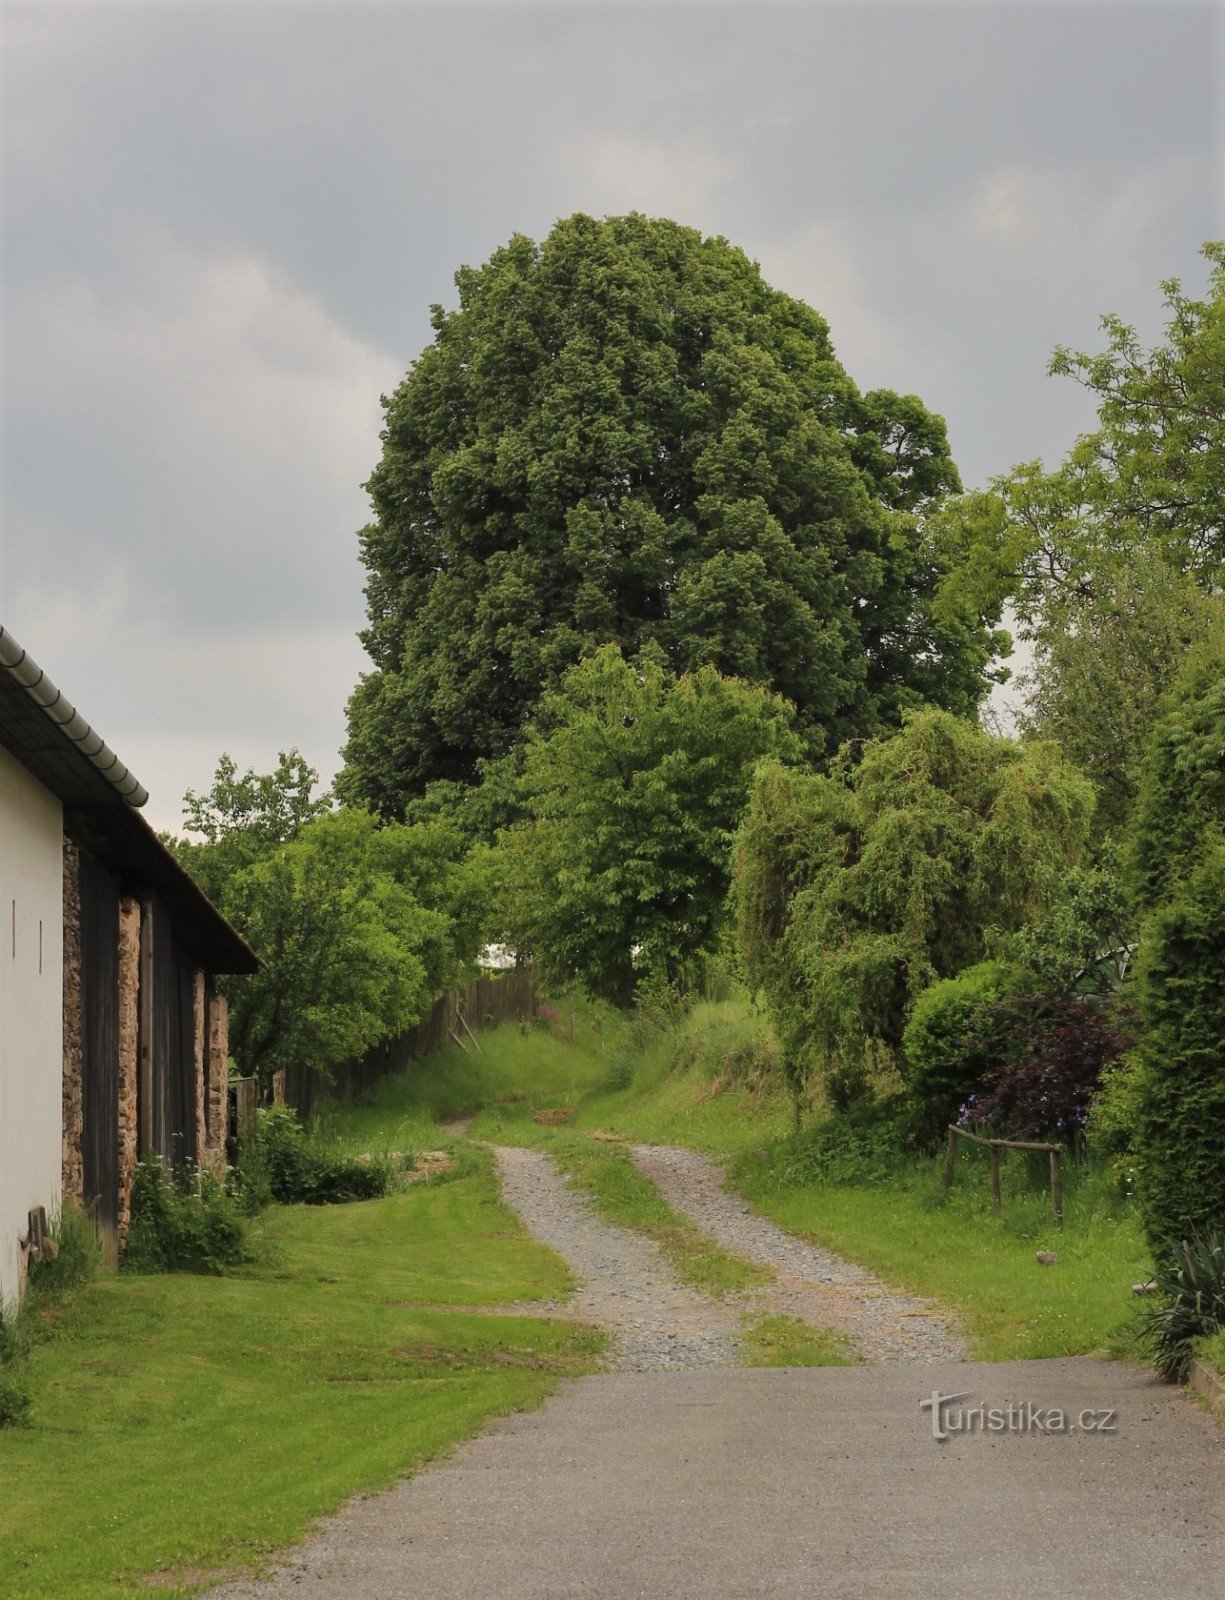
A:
(1084, 941)
(359, 927)
(857, 890)
(633, 784)
(1113, 560)
(1113, 1129)
(1190, 1305)
(280, 1161)
(1179, 871)
(623, 435)
(14, 1401)
(863, 1145)
(1181, 1133)
(183, 1222)
(941, 1073)
(1181, 801)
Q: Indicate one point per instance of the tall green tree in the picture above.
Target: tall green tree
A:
(624, 435)
(857, 889)
(633, 784)
(1113, 561)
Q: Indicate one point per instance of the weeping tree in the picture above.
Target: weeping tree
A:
(911, 860)
(623, 435)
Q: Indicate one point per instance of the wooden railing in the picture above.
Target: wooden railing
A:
(994, 1146)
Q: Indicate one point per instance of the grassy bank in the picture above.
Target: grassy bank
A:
(704, 1080)
(183, 1425)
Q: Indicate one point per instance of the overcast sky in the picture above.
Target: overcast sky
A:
(223, 227)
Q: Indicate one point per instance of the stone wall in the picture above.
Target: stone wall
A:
(129, 1046)
(74, 1111)
(217, 1067)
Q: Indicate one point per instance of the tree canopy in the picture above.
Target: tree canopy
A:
(624, 435)
(359, 926)
(1113, 560)
(632, 787)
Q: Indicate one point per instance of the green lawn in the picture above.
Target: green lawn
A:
(182, 1425)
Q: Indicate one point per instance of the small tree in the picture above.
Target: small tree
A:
(633, 784)
(857, 890)
(359, 926)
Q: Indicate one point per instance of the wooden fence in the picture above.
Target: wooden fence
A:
(994, 1146)
(486, 1002)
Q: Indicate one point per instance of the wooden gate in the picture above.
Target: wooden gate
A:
(100, 1048)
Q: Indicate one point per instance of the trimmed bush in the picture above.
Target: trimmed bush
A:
(941, 1073)
(1182, 1100)
(182, 1223)
(282, 1162)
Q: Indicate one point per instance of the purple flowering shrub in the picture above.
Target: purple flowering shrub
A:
(1039, 1061)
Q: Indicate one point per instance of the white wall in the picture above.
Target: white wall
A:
(31, 1009)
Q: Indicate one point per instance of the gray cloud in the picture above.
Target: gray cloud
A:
(223, 228)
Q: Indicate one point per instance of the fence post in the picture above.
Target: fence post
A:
(994, 1150)
(1056, 1189)
(950, 1158)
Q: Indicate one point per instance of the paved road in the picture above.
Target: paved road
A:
(827, 1482)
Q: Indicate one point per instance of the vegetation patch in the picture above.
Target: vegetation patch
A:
(791, 1342)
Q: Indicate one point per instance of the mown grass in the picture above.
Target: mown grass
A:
(690, 1081)
(623, 1195)
(184, 1425)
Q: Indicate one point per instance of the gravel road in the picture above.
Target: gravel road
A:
(810, 1283)
(626, 1286)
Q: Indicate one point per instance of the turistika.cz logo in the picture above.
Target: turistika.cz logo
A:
(950, 1417)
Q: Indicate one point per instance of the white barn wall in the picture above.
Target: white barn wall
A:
(31, 1010)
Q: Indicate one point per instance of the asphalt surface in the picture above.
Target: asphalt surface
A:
(732, 1484)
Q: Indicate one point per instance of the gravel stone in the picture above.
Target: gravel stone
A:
(626, 1286)
(811, 1283)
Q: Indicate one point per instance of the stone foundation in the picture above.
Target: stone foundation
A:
(217, 1068)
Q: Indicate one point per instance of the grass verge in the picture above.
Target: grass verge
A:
(791, 1342)
(182, 1426)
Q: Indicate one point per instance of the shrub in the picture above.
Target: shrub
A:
(184, 1222)
(862, 1146)
(14, 1401)
(1040, 1060)
(282, 1162)
(1113, 1129)
(1181, 1119)
(1191, 1286)
(941, 1074)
